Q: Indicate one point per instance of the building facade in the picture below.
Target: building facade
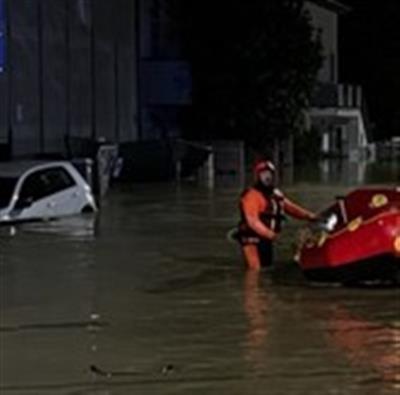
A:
(69, 76)
(75, 71)
(337, 111)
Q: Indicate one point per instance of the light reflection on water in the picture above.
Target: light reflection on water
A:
(152, 293)
(345, 173)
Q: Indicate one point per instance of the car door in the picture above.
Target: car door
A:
(64, 193)
(33, 198)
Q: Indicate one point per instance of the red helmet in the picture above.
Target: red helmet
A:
(262, 165)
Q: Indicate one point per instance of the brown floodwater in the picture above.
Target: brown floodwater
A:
(150, 297)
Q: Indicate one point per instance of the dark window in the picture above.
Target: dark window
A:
(7, 186)
(339, 140)
(57, 180)
(44, 183)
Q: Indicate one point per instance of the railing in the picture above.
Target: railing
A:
(337, 95)
(342, 96)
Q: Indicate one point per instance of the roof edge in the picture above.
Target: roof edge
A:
(333, 5)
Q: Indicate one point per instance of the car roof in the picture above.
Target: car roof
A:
(17, 168)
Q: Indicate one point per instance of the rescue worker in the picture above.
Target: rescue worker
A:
(262, 209)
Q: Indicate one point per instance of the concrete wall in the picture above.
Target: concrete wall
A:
(63, 78)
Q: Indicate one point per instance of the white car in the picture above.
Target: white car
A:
(42, 191)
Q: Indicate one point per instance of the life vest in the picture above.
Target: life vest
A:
(272, 216)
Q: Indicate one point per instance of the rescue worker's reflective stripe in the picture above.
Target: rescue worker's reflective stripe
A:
(277, 210)
(273, 217)
(269, 209)
(274, 210)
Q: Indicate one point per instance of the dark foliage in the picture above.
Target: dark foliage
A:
(254, 66)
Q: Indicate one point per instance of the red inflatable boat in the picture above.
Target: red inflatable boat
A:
(357, 240)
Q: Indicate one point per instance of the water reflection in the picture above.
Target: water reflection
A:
(344, 337)
(255, 303)
(367, 344)
(344, 172)
(76, 227)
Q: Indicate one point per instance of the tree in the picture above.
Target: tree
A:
(253, 64)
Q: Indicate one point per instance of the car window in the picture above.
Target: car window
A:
(57, 179)
(7, 185)
(45, 183)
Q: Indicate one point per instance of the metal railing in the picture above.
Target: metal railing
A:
(337, 95)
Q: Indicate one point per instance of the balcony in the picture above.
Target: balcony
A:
(328, 95)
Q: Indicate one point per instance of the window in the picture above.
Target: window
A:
(7, 186)
(56, 180)
(44, 183)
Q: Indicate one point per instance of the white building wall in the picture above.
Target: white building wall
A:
(327, 21)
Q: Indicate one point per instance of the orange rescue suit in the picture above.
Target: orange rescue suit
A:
(262, 211)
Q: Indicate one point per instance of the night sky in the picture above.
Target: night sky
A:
(369, 38)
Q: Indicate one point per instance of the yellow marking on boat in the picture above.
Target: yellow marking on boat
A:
(322, 239)
(355, 224)
(367, 222)
(379, 200)
(311, 243)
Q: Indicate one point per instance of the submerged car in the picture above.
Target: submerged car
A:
(357, 241)
(42, 191)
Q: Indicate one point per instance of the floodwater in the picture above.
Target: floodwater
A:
(151, 298)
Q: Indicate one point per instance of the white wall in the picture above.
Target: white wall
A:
(327, 21)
